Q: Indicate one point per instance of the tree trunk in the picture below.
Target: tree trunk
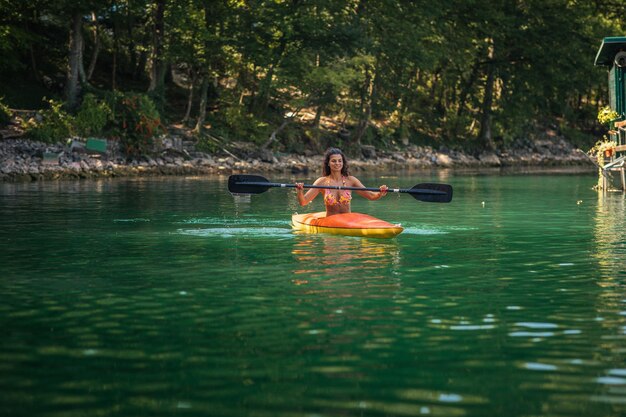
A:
(406, 98)
(96, 47)
(262, 99)
(467, 85)
(242, 81)
(374, 92)
(137, 57)
(203, 102)
(272, 137)
(282, 126)
(434, 83)
(116, 45)
(33, 61)
(114, 69)
(361, 128)
(485, 135)
(158, 66)
(31, 50)
(190, 96)
(401, 109)
(72, 87)
(318, 117)
(366, 109)
(82, 75)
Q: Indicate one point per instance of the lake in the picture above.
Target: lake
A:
(169, 296)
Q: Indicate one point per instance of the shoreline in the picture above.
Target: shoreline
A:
(24, 160)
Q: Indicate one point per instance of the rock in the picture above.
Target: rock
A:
(22, 159)
(266, 155)
(177, 153)
(299, 169)
(443, 160)
(368, 151)
(398, 157)
(489, 159)
(344, 134)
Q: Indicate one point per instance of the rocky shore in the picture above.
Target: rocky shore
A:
(25, 160)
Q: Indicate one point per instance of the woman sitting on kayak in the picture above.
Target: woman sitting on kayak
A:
(335, 173)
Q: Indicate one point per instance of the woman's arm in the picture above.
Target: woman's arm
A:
(306, 198)
(370, 195)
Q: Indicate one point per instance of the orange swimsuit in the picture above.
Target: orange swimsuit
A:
(331, 200)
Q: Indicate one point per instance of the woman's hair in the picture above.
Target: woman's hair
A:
(325, 166)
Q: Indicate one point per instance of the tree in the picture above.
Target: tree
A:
(158, 61)
(74, 12)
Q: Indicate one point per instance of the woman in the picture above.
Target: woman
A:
(335, 173)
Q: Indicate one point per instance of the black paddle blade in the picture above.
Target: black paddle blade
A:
(237, 184)
(432, 193)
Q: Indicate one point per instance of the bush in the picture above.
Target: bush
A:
(54, 126)
(206, 142)
(133, 118)
(577, 137)
(92, 117)
(243, 126)
(5, 113)
(138, 122)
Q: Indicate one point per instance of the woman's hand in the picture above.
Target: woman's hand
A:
(300, 194)
(383, 191)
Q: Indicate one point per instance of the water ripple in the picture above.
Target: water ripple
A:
(229, 232)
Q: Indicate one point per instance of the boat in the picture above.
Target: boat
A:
(348, 224)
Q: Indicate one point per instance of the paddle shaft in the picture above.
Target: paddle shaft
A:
(336, 187)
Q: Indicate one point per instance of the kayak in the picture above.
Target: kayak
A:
(348, 224)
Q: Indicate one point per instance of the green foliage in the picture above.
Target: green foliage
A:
(235, 124)
(293, 139)
(355, 62)
(580, 140)
(12, 39)
(54, 126)
(92, 117)
(137, 121)
(5, 112)
(205, 143)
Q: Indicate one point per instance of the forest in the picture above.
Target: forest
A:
(292, 75)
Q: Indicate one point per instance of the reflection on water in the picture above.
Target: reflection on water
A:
(610, 220)
(610, 240)
(336, 256)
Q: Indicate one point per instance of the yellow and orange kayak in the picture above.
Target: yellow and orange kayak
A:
(349, 224)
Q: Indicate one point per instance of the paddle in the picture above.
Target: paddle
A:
(256, 184)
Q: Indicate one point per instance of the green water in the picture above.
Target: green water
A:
(162, 297)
